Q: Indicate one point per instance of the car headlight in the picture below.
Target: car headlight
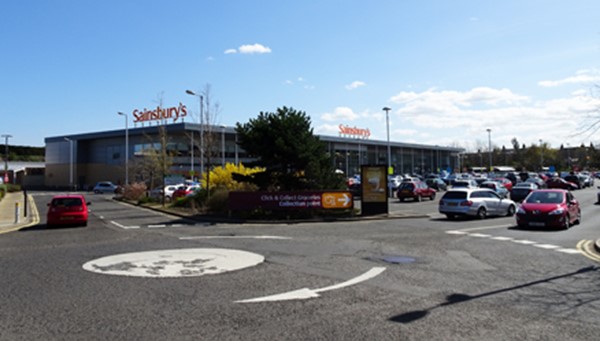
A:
(557, 211)
(520, 210)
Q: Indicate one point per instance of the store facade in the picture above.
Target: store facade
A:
(81, 160)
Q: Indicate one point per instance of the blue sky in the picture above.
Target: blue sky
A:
(448, 69)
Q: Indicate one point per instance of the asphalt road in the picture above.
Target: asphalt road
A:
(402, 279)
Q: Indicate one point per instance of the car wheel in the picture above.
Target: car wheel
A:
(511, 211)
(401, 199)
(450, 216)
(432, 197)
(481, 213)
(578, 220)
(566, 222)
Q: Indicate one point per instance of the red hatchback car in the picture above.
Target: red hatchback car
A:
(556, 208)
(416, 190)
(67, 209)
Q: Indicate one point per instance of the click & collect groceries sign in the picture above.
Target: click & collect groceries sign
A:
(290, 200)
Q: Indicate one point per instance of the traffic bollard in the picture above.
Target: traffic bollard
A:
(16, 213)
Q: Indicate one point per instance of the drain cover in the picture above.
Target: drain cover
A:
(398, 259)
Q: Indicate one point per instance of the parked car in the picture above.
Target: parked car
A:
(416, 190)
(549, 208)
(470, 183)
(184, 191)
(105, 187)
(394, 182)
(505, 182)
(477, 202)
(167, 190)
(436, 183)
(67, 209)
(521, 190)
(574, 178)
(496, 187)
(561, 183)
(538, 181)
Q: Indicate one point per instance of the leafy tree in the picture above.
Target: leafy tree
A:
(293, 157)
(222, 177)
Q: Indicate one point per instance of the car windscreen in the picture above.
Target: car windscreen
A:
(406, 185)
(458, 195)
(545, 198)
(66, 202)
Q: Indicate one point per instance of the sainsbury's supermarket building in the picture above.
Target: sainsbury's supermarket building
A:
(83, 159)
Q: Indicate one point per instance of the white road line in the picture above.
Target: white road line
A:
(502, 238)
(156, 226)
(526, 242)
(364, 277)
(569, 251)
(123, 226)
(485, 228)
(547, 246)
(234, 237)
(457, 232)
(479, 235)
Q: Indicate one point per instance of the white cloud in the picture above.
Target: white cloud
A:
(355, 84)
(581, 77)
(340, 114)
(249, 49)
(475, 96)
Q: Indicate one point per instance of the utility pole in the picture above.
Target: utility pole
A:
(6, 137)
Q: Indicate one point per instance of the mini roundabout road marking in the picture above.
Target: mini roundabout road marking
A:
(174, 263)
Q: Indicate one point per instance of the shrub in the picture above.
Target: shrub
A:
(218, 201)
(135, 191)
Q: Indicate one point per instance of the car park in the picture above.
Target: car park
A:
(538, 181)
(505, 182)
(105, 187)
(415, 190)
(556, 208)
(67, 209)
(575, 179)
(475, 202)
(521, 190)
(394, 181)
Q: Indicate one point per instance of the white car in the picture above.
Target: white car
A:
(168, 190)
(105, 187)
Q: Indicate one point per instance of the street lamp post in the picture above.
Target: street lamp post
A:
(126, 147)
(6, 137)
(190, 92)
(490, 147)
(223, 146)
(389, 148)
(541, 155)
(70, 162)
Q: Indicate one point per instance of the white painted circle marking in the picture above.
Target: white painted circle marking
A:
(174, 263)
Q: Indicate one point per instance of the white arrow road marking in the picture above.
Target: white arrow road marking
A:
(234, 237)
(306, 293)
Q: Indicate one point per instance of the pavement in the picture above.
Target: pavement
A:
(8, 208)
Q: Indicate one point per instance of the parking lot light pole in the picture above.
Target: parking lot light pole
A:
(70, 162)
(126, 147)
(6, 137)
(190, 92)
(541, 155)
(389, 148)
(490, 147)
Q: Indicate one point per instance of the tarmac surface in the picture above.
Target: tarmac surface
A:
(18, 212)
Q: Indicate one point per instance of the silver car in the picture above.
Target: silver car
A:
(478, 202)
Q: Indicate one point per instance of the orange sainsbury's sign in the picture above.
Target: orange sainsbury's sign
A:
(160, 114)
(346, 130)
